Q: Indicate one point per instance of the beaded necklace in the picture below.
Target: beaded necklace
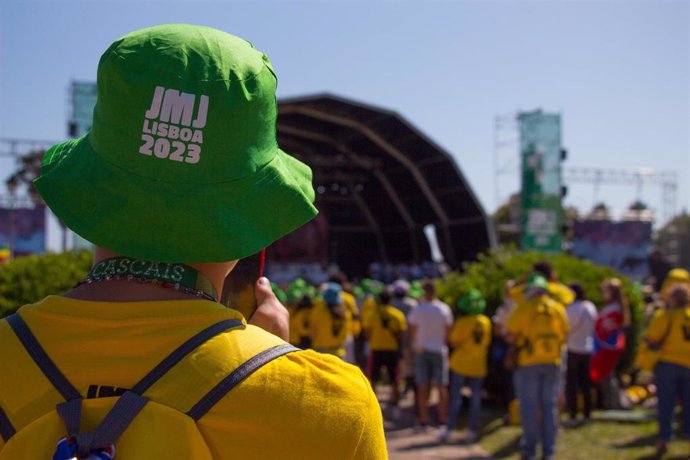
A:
(179, 277)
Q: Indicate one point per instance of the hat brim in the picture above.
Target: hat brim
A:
(171, 221)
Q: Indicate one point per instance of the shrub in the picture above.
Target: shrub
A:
(29, 279)
(495, 267)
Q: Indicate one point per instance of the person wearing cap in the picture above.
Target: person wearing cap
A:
(538, 328)
(470, 338)
(669, 333)
(330, 322)
(557, 290)
(400, 300)
(178, 179)
(405, 304)
(675, 277)
(371, 288)
(350, 303)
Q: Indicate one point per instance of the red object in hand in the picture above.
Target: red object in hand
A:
(262, 262)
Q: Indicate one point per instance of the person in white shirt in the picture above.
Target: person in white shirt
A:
(430, 323)
(582, 315)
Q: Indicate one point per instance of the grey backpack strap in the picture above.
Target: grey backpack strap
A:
(41, 358)
(182, 351)
(44, 363)
(111, 427)
(70, 411)
(6, 428)
(236, 377)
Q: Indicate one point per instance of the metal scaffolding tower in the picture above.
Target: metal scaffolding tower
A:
(639, 177)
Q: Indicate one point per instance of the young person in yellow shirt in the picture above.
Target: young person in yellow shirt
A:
(350, 303)
(299, 321)
(669, 332)
(538, 327)
(384, 327)
(330, 322)
(555, 289)
(470, 338)
(171, 207)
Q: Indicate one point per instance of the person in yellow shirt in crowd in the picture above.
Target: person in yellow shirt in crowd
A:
(538, 328)
(171, 207)
(669, 332)
(470, 338)
(384, 328)
(677, 276)
(350, 303)
(371, 289)
(556, 290)
(299, 321)
(330, 322)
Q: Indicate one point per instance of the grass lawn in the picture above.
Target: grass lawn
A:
(599, 440)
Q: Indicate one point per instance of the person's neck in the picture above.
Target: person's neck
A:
(128, 291)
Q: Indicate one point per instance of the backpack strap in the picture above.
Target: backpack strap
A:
(108, 431)
(236, 377)
(125, 409)
(182, 351)
(6, 428)
(41, 358)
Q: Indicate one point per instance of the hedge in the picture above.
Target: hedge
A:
(31, 278)
(494, 268)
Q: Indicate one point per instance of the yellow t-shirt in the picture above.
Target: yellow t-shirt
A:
(540, 326)
(676, 346)
(557, 291)
(470, 338)
(384, 324)
(368, 304)
(328, 333)
(301, 405)
(299, 324)
(350, 303)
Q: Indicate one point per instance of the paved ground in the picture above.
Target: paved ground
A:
(405, 444)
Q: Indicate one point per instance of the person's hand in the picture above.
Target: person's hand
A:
(270, 315)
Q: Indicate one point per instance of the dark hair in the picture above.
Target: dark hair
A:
(336, 311)
(304, 302)
(543, 267)
(679, 295)
(579, 291)
(341, 279)
(385, 297)
(338, 277)
(429, 287)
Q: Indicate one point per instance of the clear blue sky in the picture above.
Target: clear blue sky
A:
(616, 70)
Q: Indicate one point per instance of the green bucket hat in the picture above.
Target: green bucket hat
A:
(537, 282)
(181, 163)
(472, 303)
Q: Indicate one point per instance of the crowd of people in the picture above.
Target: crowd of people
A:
(546, 350)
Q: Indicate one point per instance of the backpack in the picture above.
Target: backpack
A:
(142, 427)
(544, 336)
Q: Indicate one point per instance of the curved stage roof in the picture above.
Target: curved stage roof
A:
(379, 182)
